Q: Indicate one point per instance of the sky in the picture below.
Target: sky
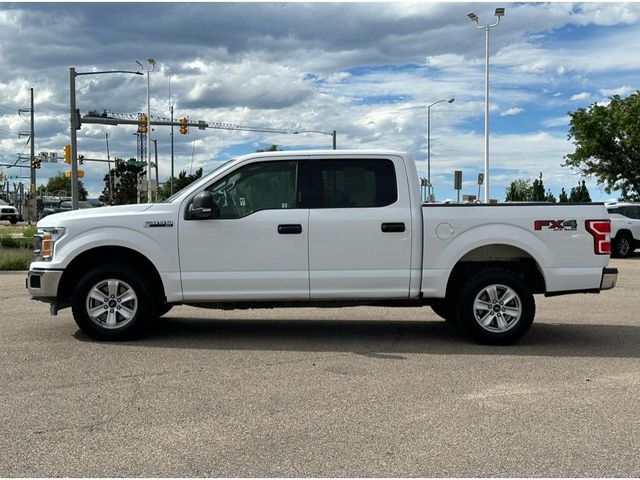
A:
(366, 70)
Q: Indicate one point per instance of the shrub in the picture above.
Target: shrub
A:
(15, 259)
(15, 242)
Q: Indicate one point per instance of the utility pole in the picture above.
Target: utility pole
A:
(32, 207)
(171, 179)
(155, 145)
(34, 193)
(110, 176)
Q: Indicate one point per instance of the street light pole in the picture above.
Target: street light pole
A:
(332, 134)
(499, 13)
(451, 100)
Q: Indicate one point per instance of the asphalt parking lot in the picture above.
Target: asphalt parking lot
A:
(334, 392)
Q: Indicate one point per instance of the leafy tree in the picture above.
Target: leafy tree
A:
(550, 197)
(563, 196)
(607, 144)
(537, 190)
(272, 148)
(125, 183)
(179, 182)
(580, 193)
(519, 190)
(61, 185)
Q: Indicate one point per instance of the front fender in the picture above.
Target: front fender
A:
(160, 249)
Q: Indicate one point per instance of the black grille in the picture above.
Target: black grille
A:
(35, 281)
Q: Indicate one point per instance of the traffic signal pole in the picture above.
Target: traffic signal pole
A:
(73, 119)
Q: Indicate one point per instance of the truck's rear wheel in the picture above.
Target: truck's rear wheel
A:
(112, 302)
(495, 307)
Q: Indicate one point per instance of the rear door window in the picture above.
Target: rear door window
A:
(354, 183)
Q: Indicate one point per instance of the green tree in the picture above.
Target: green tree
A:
(550, 197)
(563, 198)
(580, 193)
(519, 190)
(537, 190)
(60, 185)
(607, 144)
(272, 148)
(125, 182)
(179, 182)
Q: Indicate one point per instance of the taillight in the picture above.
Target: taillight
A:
(600, 230)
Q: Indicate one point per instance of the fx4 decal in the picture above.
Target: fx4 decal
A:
(555, 225)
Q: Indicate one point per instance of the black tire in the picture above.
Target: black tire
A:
(622, 245)
(504, 327)
(164, 309)
(444, 308)
(127, 281)
(13, 220)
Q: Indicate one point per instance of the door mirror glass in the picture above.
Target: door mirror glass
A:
(204, 207)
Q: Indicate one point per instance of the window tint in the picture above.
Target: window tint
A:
(633, 212)
(614, 210)
(355, 183)
(258, 186)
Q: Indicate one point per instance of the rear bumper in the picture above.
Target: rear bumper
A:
(609, 278)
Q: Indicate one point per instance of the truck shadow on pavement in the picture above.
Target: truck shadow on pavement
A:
(386, 340)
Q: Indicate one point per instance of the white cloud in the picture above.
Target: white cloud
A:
(622, 91)
(556, 122)
(581, 96)
(511, 111)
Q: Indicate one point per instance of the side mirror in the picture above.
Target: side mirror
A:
(204, 207)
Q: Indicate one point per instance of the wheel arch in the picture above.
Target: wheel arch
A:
(516, 260)
(624, 231)
(106, 254)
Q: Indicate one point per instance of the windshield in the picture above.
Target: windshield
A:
(200, 180)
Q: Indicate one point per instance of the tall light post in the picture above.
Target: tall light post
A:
(331, 134)
(499, 13)
(451, 100)
(74, 119)
(152, 63)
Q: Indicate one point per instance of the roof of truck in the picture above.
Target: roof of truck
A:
(315, 153)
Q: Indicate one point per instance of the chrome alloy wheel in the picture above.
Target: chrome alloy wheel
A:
(111, 303)
(497, 308)
(623, 246)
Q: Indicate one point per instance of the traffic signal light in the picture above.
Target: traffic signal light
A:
(184, 129)
(35, 163)
(142, 126)
(80, 159)
(67, 153)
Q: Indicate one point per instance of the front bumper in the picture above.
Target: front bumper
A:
(609, 278)
(42, 284)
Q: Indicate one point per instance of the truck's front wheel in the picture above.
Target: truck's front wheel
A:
(496, 307)
(112, 302)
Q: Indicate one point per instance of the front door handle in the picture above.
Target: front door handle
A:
(393, 227)
(289, 229)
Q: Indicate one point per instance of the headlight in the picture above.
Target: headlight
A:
(44, 241)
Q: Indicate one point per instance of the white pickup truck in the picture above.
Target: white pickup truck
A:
(317, 228)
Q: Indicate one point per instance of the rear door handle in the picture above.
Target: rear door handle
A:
(289, 229)
(393, 227)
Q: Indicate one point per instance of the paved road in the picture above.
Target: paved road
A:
(309, 392)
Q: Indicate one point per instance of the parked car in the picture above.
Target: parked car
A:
(309, 228)
(9, 212)
(625, 228)
(66, 205)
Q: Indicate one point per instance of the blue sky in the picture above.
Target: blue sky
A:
(365, 70)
